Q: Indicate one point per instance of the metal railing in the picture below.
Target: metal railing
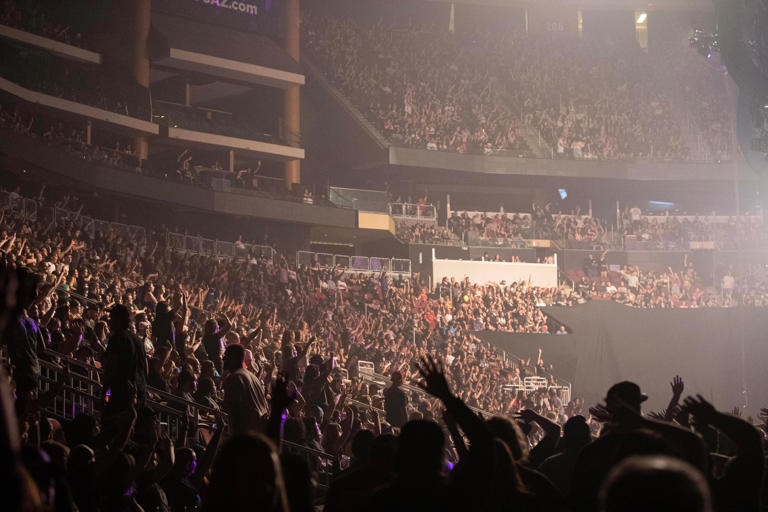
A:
(82, 393)
(85, 382)
(218, 248)
(323, 465)
(366, 372)
(415, 212)
(180, 242)
(32, 209)
(354, 264)
(359, 199)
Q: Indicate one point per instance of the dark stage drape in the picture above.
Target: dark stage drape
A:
(719, 353)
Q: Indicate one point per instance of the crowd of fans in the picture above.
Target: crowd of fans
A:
(509, 230)
(493, 229)
(669, 288)
(190, 168)
(120, 458)
(267, 343)
(35, 17)
(704, 92)
(578, 231)
(647, 289)
(454, 105)
(329, 304)
(474, 92)
(748, 289)
(424, 233)
(673, 232)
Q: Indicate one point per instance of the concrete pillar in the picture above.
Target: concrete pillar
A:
(292, 96)
(187, 94)
(232, 160)
(88, 131)
(141, 11)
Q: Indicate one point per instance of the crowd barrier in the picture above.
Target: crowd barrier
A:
(218, 248)
(544, 275)
(359, 199)
(35, 210)
(413, 212)
(367, 372)
(80, 392)
(357, 264)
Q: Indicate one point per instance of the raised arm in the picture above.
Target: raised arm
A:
(745, 472)
(677, 386)
(436, 385)
(281, 399)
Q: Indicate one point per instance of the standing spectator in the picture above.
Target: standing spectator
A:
(634, 215)
(213, 340)
(125, 363)
(244, 397)
(559, 467)
(22, 336)
(728, 284)
(396, 402)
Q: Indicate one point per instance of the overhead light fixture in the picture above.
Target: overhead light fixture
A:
(641, 18)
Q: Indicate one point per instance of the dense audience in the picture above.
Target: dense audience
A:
(673, 232)
(748, 289)
(449, 107)
(669, 288)
(424, 233)
(476, 92)
(647, 289)
(334, 303)
(578, 231)
(275, 349)
(493, 229)
(486, 228)
(281, 375)
(192, 168)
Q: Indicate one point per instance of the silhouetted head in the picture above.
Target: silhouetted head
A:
(161, 309)
(625, 393)
(205, 386)
(210, 327)
(510, 433)
(362, 444)
(119, 318)
(576, 433)
(384, 451)
(420, 448)
(26, 285)
(246, 476)
(658, 483)
(234, 357)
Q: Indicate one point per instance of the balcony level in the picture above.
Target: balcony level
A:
(184, 46)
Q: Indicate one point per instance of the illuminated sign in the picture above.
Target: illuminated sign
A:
(233, 5)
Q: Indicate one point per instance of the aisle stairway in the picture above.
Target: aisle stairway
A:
(538, 146)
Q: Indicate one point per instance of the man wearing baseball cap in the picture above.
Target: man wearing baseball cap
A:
(624, 394)
(627, 432)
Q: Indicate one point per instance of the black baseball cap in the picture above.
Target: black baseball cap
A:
(628, 392)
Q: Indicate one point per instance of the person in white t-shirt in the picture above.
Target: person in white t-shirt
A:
(728, 284)
(635, 215)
